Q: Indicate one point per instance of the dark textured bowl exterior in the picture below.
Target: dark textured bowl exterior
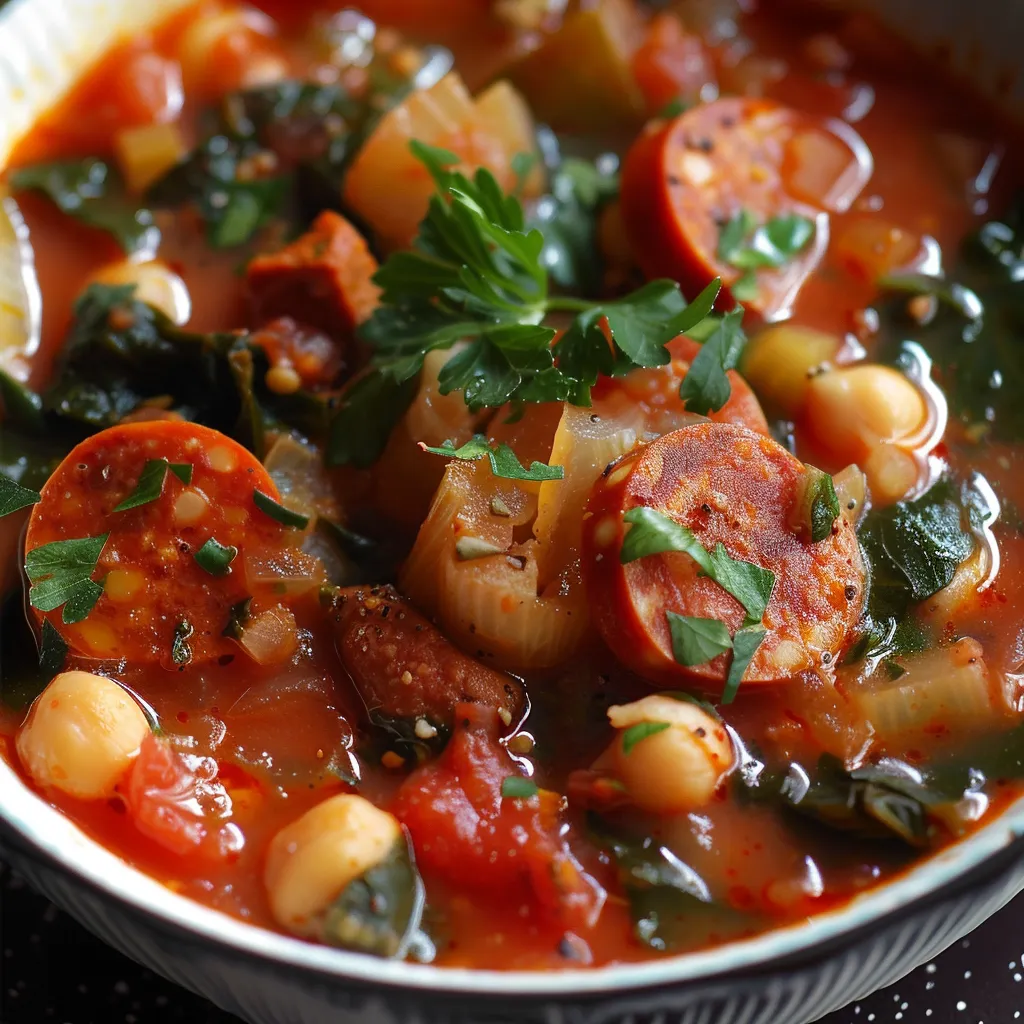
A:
(794, 990)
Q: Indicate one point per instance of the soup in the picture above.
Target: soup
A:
(518, 486)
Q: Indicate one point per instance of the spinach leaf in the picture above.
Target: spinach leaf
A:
(380, 911)
(664, 892)
(974, 335)
(91, 191)
(912, 549)
(122, 352)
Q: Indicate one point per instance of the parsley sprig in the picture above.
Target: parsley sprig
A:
(477, 276)
(504, 462)
(749, 246)
(61, 574)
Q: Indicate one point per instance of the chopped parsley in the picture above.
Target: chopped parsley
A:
(641, 731)
(478, 275)
(817, 506)
(285, 516)
(503, 460)
(705, 388)
(238, 618)
(749, 246)
(14, 497)
(744, 646)
(653, 533)
(216, 558)
(696, 641)
(150, 484)
(517, 788)
(61, 574)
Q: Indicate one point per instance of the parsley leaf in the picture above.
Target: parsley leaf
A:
(61, 574)
(744, 646)
(745, 245)
(285, 516)
(14, 497)
(91, 191)
(151, 482)
(215, 557)
(653, 533)
(478, 275)
(518, 788)
(635, 733)
(705, 388)
(696, 641)
(503, 460)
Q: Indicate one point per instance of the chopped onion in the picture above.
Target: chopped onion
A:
(271, 636)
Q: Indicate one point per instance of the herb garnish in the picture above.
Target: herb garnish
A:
(818, 505)
(705, 388)
(744, 646)
(748, 246)
(653, 533)
(216, 558)
(151, 482)
(641, 731)
(285, 516)
(477, 275)
(14, 497)
(181, 651)
(91, 191)
(696, 641)
(517, 788)
(61, 574)
(238, 618)
(503, 460)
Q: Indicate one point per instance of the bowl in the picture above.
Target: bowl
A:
(787, 976)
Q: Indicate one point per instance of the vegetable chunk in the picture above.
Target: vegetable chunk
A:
(406, 670)
(735, 492)
(135, 506)
(323, 279)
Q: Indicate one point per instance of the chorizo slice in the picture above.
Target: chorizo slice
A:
(732, 486)
(323, 279)
(154, 589)
(405, 669)
(684, 180)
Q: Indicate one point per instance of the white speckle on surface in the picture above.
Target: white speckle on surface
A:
(1016, 976)
(1012, 964)
(967, 974)
(929, 985)
(961, 1005)
(930, 968)
(856, 1010)
(899, 1016)
(871, 1016)
(928, 1012)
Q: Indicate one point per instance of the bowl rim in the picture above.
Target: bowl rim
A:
(47, 831)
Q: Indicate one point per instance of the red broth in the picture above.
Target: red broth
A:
(531, 879)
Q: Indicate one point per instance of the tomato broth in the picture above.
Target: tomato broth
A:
(624, 627)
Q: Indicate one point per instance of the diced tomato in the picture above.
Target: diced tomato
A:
(176, 801)
(467, 834)
(152, 580)
(733, 487)
(671, 64)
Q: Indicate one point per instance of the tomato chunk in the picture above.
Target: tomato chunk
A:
(176, 801)
(685, 179)
(404, 667)
(728, 485)
(152, 582)
(465, 833)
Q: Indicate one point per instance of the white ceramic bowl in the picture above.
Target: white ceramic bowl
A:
(788, 976)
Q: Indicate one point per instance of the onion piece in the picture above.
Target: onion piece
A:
(271, 636)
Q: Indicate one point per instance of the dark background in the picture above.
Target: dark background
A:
(53, 970)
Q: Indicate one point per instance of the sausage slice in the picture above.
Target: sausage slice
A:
(728, 485)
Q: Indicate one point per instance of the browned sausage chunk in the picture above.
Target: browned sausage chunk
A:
(405, 668)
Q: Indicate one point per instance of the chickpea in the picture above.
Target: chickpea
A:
(81, 735)
(155, 284)
(874, 416)
(312, 860)
(780, 361)
(677, 769)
